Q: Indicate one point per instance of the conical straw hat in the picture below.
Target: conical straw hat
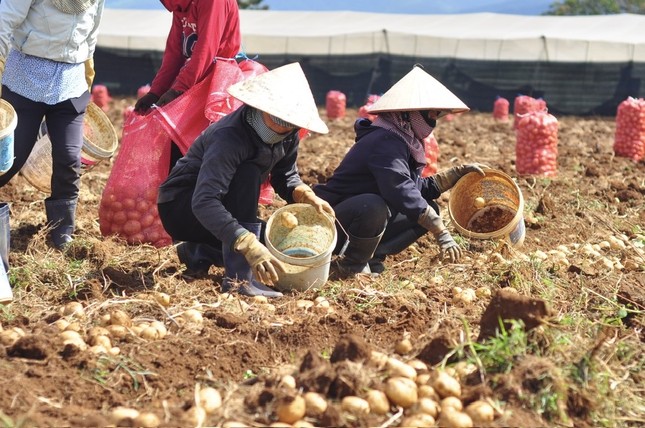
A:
(417, 90)
(282, 92)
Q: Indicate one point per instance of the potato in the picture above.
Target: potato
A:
(288, 220)
(479, 202)
(379, 404)
(290, 409)
(315, 403)
(480, 411)
(401, 391)
(446, 385)
(355, 405)
(210, 399)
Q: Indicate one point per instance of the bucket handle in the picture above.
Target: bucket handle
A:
(341, 253)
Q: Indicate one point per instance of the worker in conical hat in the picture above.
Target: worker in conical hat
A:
(209, 202)
(377, 191)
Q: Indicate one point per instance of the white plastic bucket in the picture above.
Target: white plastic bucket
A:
(488, 207)
(100, 141)
(305, 250)
(8, 123)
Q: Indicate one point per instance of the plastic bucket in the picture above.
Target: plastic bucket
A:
(304, 249)
(100, 141)
(8, 123)
(488, 207)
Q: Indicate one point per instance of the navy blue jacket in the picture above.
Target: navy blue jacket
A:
(211, 162)
(380, 162)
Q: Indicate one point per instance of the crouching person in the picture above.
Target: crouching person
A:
(377, 191)
(210, 199)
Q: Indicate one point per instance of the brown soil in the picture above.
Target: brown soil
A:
(244, 346)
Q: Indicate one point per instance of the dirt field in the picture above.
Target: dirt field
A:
(577, 285)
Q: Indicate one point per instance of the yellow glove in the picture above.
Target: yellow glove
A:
(304, 195)
(89, 73)
(262, 262)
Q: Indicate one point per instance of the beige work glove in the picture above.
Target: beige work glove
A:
(431, 221)
(303, 194)
(89, 73)
(2, 61)
(447, 179)
(264, 265)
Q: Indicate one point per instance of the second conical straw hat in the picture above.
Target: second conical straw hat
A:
(283, 92)
(418, 90)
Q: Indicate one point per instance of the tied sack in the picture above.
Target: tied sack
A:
(431, 147)
(629, 140)
(536, 145)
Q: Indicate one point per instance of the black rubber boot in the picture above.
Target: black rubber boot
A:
(238, 274)
(358, 253)
(199, 257)
(61, 215)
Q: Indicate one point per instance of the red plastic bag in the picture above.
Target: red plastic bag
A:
(128, 206)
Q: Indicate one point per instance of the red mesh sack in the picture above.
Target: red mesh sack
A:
(101, 97)
(128, 206)
(629, 139)
(524, 104)
(500, 109)
(335, 104)
(536, 146)
(363, 110)
(143, 90)
(432, 155)
(219, 103)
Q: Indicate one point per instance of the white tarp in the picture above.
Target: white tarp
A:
(480, 36)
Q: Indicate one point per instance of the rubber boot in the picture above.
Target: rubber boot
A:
(238, 273)
(6, 294)
(61, 215)
(199, 257)
(358, 253)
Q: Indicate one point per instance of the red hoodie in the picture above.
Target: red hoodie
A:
(201, 31)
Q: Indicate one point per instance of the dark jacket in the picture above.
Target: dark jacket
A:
(213, 159)
(381, 163)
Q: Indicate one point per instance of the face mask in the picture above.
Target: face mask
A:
(421, 125)
(268, 136)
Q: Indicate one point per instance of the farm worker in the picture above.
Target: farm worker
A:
(201, 32)
(210, 199)
(48, 46)
(377, 191)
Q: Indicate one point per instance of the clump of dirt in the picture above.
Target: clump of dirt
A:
(507, 305)
(33, 347)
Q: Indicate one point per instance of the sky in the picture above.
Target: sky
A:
(517, 7)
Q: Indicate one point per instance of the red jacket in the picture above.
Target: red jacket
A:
(201, 31)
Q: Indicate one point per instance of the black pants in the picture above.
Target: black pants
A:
(65, 129)
(241, 201)
(367, 216)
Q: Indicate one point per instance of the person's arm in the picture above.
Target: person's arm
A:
(211, 25)
(173, 60)
(12, 13)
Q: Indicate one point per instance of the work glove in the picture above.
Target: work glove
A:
(145, 103)
(447, 179)
(432, 222)
(2, 60)
(303, 194)
(170, 95)
(264, 265)
(89, 73)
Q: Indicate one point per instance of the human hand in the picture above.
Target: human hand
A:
(264, 265)
(145, 103)
(170, 95)
(303, 194)
(449, 248)
(447, 179)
